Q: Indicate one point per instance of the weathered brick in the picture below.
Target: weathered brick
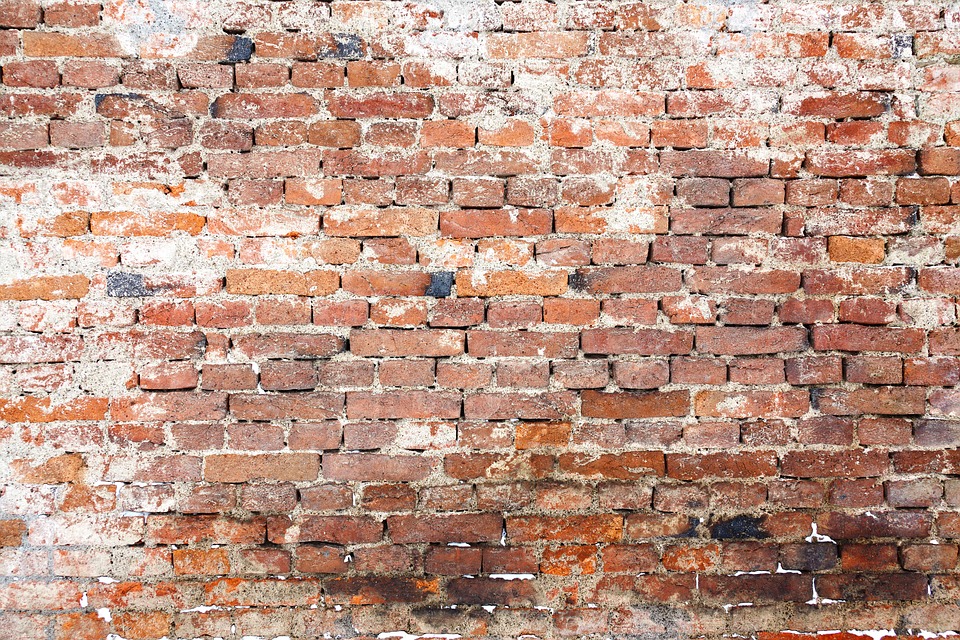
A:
(640, 342)
(505, 222)
(375, 467)
(380, 222)
(743, 340)
(722, 465)
(261, 281)
(242, 468)
(500, 283)
(380, 590)
(248, 106)
(642, 279)
(859, 338)
(837, 164)
(484, 527)
(635, 404)
(405, 404)
(381, 105)
(627, 466)
(751, 404)
(46, 288)
(579, 529)
(389, 342)
(310, 406)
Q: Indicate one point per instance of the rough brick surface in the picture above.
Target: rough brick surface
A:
(535, 318)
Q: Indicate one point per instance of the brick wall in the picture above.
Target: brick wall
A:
(546, 319)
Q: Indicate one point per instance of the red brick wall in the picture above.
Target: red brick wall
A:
(317, 318)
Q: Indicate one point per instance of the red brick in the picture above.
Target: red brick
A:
(506, 406)
(538, 45)
(387, 342)
(727, 280)
(40, 74)
(880, 400)
(750, 404)
(444, 529)
(241, 468)
(757, 588)
(336, 529)
(614, 251)
(375, 467)
(317, 75)
(739, 341)
(383, 105)
(452, 561)
(860, 163)
(498, 283)
(483, 223)
(632, 465)
(641, 279)
(704, 192)
(493, 465)
(288, 345)
(20, 14)
(341, 134)
(942, 161)
(837, 105)
(718, 164)
(640, 342)
(859, 338)
(309, 406)
(246, 105)
(578, 529)
(447, 133)
(722, 465)
(406, 404)
(635, 404)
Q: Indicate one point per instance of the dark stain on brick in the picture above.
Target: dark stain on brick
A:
(738, 528)
(492, 591)
(126, 285)
(100, 97)
(817, 556)
(577, 281)
(441, 283)
(240, 50)
(379, 589)
(691, 532)
(348, 46)
(902, 45)
(914, 218)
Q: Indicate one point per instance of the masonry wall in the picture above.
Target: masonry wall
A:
(577, 319)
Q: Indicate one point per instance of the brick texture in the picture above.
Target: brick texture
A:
(540, 319)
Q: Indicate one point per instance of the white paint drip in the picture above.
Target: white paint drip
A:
(817, 537)
(403, 635)
(876, 634)
(201, 609)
